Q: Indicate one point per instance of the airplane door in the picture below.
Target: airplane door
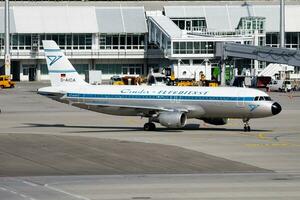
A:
(241, 98)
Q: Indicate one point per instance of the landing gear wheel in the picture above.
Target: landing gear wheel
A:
(149, 127)
(247, 129)
(246, 125)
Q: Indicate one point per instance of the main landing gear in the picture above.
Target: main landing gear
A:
(149, 126)
(246, 125)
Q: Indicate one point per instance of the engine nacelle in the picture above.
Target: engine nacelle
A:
(215, 121)
(172, 119)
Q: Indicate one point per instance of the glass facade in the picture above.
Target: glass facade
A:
(196, 24)
(69, 41)
(252, 23)
(121, 41)
(20, 41)
(81, 68)
(1, 41)
(44, 69)
(193, 47)
(120, 69)
(65, 41)
(292, 40)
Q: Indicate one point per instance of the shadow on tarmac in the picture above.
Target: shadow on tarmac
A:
(188, 127)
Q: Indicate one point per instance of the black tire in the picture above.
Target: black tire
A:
(153, 127)
(247, 129)
(149, 127)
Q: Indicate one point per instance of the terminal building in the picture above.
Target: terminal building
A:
(131, 40)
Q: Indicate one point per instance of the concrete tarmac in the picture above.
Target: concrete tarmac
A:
(50, 150)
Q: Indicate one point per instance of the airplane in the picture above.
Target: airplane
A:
(170, 106)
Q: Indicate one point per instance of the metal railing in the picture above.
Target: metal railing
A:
(215, 33)
(79, 53)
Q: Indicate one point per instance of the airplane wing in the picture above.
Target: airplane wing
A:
(141, 108)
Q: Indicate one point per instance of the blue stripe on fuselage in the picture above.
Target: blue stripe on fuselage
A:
(159, 97)
(61, 71)
(52, 50)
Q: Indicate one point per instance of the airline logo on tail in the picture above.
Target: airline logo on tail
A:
(53, 59)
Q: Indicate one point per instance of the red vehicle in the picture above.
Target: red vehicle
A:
(263, 81)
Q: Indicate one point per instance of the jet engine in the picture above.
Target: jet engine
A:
(172, 119)
(215, 121)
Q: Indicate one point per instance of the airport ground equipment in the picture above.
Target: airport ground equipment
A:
(6, 82)
(280, 85)
(251, 81)
(94, 77)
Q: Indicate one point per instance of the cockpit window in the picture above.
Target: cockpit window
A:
(262, 98)
(268, 98)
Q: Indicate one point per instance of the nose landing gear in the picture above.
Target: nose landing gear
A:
(246, 125)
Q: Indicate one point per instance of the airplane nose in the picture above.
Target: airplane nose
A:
(276, 108)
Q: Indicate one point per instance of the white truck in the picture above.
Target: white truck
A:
(280, 85)
(93, 77)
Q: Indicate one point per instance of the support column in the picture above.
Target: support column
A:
(256, 43)
(7, 44)
(282, 24)
(38, 72)
(95, 41)
(223, 69)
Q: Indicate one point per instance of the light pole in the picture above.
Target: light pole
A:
(7, 46)
(282, 24)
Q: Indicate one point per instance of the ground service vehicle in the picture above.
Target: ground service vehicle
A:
(280, 85)
(5, 82)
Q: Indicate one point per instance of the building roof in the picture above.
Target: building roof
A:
(12, 21)
(90, 19)
(75, 19)
(121, 19)
(167, 25)
(226, 18)
(55, 19)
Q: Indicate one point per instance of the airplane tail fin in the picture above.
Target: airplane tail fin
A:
(61, 71)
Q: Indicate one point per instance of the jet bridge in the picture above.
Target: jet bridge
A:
(260, 53)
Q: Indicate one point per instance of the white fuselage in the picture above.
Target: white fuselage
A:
(197, 102)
